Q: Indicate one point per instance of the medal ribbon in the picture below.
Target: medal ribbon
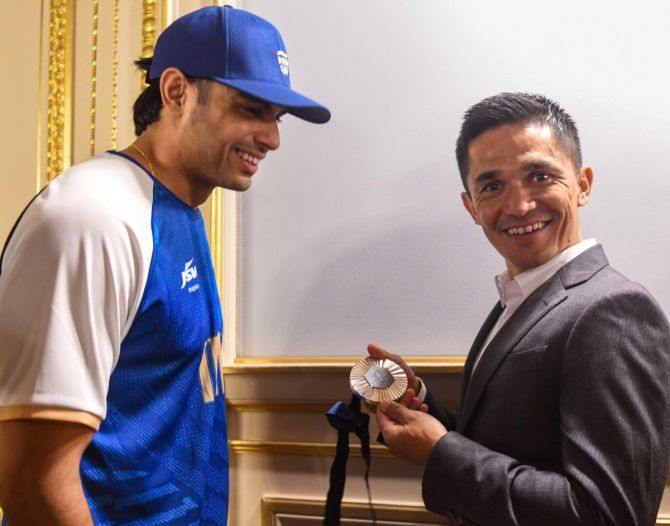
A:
(346, 419)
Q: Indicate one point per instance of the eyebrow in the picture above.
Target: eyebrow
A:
(527, 167)
(487, 176)
(537, 165)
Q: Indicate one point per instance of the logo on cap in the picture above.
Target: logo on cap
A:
(282, 58)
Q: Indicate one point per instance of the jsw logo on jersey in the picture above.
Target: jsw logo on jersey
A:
(189, 273)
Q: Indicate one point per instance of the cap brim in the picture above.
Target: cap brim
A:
(295, 103)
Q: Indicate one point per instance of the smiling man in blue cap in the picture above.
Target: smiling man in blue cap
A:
(111, 399)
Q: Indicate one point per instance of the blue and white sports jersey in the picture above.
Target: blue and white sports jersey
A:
(110, 312)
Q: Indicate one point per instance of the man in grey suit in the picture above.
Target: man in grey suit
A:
(564, 410)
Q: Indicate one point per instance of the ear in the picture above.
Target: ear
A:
(173, 87)
(469, 206)
(585, 184)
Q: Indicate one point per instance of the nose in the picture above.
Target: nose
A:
(268, 135)
(519, 200)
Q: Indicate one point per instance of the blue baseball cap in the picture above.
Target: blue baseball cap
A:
(237, 49)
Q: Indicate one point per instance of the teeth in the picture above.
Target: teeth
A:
(515, 231)
(249, 158)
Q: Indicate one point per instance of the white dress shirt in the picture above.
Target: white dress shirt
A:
(513, 292)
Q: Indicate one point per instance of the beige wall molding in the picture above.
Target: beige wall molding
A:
(298, 364)
(94, 77)
(320, 449)
(273, 508)
(259, 406)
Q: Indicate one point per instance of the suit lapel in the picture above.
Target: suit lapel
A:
(479, 341)
(537, 305)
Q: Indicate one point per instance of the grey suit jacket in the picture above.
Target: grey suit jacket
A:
(566, 419)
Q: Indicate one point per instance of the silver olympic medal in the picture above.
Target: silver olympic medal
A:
(376, 380)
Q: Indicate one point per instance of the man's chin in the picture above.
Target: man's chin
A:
(522, 264)
(241, 183)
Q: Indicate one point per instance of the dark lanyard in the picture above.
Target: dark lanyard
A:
(346, 419)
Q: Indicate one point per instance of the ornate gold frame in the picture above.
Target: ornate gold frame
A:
(59, 109)
(94, 77)
(149, 24)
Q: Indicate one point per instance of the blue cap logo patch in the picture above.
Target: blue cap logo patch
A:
(282, 58)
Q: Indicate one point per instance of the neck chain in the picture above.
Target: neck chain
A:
(145, 157)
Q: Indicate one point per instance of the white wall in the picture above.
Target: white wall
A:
(354, 231)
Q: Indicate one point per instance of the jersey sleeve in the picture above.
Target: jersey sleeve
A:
(72, 279)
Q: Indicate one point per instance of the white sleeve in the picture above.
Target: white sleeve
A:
(71, 283)
(421, 395)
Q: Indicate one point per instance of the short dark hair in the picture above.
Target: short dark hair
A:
(516, 108)
(148, 105)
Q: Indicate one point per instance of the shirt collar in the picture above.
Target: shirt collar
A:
(512, 292)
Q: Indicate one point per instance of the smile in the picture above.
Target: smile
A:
(515, 231)
(248, 157)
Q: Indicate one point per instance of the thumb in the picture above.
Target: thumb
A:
(377, 352)
(394, 410)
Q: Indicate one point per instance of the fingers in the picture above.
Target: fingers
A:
(399, 413)
(410, 435)
(382, 418)
(380, 354)
(394, 411)
(415, 404)
(410, 401)
(407, 397)
(377, 352)
(385, 423)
